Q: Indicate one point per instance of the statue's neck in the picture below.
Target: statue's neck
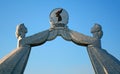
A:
(95, 35)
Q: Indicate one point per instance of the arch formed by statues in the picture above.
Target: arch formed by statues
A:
(102, 61)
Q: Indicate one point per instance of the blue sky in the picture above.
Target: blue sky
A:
(59, 56)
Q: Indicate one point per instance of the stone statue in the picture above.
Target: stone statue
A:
(15, 62)
(102, 61)
(58, 17)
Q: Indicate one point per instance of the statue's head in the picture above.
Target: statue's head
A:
(96, 30)
(21, 30)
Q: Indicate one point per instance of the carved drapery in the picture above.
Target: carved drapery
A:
(103, 62)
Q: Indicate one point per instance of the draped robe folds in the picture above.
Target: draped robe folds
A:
(11, 63)
(102, 61)
(15, 62)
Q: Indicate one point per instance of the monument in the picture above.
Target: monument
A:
(103, 62)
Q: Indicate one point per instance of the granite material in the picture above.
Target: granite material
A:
(102, 61)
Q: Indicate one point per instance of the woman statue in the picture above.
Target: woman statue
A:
(102, 61)
(15, 62)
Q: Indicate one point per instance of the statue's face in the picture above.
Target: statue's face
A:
(23, 31)
(95, 28)
(59, 16)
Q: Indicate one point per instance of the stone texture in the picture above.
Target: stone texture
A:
(58, 17)
(103, 62)
(15, 62)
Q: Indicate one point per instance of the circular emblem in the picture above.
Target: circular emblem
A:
(59, 17)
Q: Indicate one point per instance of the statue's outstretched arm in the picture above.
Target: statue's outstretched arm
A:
(81, 39)
(36, 39)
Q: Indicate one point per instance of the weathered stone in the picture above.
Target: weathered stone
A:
(15, 62)
(102, 61)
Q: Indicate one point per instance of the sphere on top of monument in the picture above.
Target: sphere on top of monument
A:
(59, 17)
